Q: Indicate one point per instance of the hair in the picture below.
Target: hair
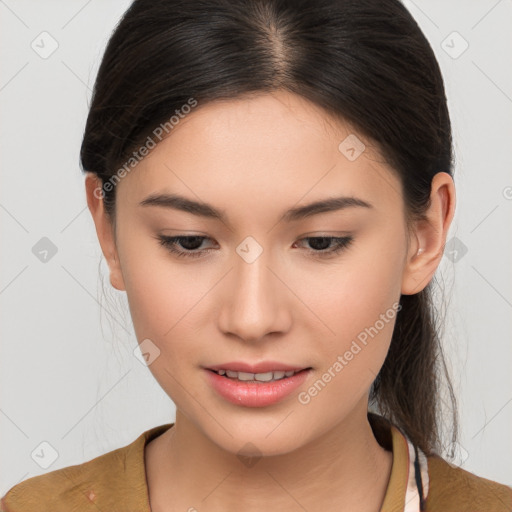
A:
(365, 62)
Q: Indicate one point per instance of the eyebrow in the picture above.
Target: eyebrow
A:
(201, 209)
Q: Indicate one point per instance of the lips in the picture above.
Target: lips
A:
(255, 389)
(263, 367)
(258, 377)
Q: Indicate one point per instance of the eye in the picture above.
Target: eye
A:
(190, 245)
(323, 245)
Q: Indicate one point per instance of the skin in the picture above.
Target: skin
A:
(254, 158)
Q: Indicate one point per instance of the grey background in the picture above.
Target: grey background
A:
(68, 373)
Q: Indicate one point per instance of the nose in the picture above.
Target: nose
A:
(255, 300)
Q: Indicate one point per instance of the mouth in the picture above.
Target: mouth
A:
(267, 384)
(269, 376)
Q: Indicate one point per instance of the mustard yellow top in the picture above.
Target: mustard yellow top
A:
(116, 482)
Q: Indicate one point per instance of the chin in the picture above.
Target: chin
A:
(257, 439)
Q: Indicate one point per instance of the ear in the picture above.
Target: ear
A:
(104, 229)
(427, 242)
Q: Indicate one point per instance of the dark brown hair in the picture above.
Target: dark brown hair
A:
(365, 62)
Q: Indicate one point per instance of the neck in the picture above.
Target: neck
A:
(345, 469)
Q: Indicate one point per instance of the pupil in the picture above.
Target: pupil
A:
(318, 241)
(195, 241)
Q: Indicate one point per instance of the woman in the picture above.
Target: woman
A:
(271, 184)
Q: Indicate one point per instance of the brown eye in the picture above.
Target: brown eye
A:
(189, 245)
(322, 244)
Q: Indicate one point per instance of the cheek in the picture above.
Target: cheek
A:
(164, 305)
(362, 317)
(160, 291)
(351, 295)
(357, 302)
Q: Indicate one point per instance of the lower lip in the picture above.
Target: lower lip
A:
(255, 394)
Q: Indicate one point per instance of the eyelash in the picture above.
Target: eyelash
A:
(341, 243)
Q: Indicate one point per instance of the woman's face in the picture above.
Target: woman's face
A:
(264, 291)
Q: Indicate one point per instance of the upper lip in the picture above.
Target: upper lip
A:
(263, 367)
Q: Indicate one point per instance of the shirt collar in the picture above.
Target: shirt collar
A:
(402, 493)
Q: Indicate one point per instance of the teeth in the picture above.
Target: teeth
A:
(261, 377)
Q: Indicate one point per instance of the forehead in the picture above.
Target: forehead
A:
(275, 147)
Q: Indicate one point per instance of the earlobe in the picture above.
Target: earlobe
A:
(116, 274)
(430, 234)
(104, 229)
